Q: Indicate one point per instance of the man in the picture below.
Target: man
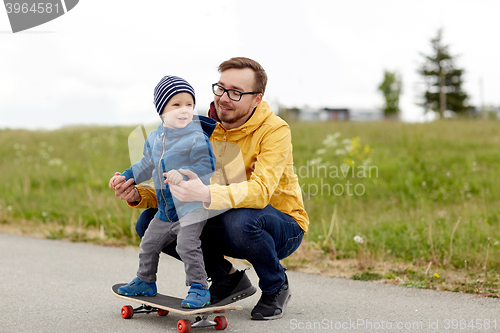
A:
(262, 217)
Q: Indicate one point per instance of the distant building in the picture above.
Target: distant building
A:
(335, 114)
(366, 114)
(329, 114)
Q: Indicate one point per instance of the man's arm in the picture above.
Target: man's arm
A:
(143, 196)
(257, 191)
(269, 166)
(146, 198)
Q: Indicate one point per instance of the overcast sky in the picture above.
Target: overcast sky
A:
(99, 63)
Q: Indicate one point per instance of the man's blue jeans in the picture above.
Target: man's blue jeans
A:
(261, 236)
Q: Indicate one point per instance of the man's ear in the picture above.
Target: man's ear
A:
(258, 99)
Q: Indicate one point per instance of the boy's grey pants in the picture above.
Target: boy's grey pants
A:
(187, 231)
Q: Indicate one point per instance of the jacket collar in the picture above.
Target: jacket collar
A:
(260, 114)
(198, 124)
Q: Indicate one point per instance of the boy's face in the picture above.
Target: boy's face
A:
(179, 111)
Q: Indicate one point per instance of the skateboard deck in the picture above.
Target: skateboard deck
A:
(163, 304)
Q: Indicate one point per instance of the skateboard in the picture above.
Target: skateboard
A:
(163, 304)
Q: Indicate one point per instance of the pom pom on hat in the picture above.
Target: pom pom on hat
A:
(167, 88)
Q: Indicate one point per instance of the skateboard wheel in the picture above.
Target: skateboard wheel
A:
(162, 312)
(221, 323)
(127, 312)
(184, 326)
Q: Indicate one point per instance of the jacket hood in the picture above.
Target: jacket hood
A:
(207, 124)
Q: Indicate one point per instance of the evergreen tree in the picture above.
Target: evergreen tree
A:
(391, 88)
(444, 81)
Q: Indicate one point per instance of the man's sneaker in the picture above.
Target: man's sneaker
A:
(230, 288)
(272, 306)
(138, 288)
(197, 297)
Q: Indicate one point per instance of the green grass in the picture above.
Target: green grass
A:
(58, 180)
(429, 176)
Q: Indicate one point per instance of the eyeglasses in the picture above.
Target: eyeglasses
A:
(234, 95)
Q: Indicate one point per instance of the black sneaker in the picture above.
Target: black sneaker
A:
(230, 288)
(272, 306)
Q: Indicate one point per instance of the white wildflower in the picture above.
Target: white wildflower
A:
(316, 161)
(340, 152)
(55, 161)
(331, 140)
(347, 142)
(367, 161)
(358, 239)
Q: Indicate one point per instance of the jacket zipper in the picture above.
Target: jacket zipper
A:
(160, 174)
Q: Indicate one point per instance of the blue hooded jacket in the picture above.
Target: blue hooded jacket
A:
(176, 148)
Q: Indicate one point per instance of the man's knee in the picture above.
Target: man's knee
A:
(235, 219)
(239, 224)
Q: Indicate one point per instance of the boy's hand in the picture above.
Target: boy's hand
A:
(173, 177)
(124, 190)
(116, 181)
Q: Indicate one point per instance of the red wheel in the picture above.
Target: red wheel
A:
(221, 323)
(162, 312)
(220, 311)
(127, 312)
(184, 326)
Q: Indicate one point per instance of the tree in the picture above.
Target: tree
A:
(391, 88)
(444, 81)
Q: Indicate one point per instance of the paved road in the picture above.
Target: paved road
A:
(57, 286)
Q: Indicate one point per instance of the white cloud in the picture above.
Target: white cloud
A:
(100, 62)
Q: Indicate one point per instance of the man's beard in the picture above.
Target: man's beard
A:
(230, 118)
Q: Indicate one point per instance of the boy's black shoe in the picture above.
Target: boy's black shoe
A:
(272, 306)
(230, 288)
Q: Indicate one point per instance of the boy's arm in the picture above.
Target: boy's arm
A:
(142, 170)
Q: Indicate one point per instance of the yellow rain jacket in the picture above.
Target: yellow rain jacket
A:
(254, 168)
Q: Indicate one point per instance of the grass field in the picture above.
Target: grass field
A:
(428, 195)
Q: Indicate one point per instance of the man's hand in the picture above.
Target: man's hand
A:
(192, 189)
(124, 190)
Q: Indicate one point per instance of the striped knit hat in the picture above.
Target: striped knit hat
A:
(167, 88)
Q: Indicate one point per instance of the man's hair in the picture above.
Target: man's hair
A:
(241, 63)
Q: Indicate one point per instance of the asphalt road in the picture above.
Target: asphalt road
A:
(58, 286)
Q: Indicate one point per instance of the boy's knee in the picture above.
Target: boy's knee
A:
(186, 249)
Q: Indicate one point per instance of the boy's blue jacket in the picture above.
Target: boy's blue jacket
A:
(176, 148)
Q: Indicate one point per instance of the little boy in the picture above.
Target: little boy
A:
(180, 142)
